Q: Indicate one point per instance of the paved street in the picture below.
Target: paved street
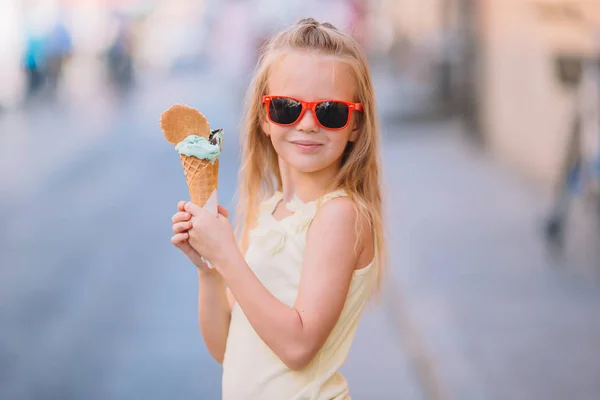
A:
(499, 315)
(96, 304)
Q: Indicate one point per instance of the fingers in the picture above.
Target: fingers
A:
(192, 208)
(180, 239)
(181, 227)
(223, 211)
(181, 217)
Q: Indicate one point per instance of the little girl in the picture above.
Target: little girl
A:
(281, 313)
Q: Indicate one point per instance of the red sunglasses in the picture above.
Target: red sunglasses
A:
(330, 114)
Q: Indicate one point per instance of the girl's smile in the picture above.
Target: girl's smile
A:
(307, 146)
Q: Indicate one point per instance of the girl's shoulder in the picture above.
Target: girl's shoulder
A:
(340, 203)
(348, 220)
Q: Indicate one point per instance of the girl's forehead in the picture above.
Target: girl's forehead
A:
(312, 76)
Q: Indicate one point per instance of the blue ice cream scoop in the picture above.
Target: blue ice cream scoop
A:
(201, 147)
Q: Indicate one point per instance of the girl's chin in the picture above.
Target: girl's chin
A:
(308, 168)
(308, 163)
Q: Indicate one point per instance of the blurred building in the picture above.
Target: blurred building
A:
(431, 48)
(497, 64)
(526, 109)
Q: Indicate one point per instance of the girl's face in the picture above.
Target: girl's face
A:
(306, 146)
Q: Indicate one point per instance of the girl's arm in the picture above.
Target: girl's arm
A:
(295, 334)
(214, 312)
(215, 302)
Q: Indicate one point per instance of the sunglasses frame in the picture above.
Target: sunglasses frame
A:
(312, 105)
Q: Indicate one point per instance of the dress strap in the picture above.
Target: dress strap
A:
(332, 195)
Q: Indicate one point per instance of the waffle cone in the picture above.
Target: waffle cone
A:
(202, 178)
(180, 121)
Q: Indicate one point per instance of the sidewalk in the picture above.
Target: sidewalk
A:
(378, 366)
(496, 317)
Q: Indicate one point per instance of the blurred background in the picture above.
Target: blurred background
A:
(491, 148)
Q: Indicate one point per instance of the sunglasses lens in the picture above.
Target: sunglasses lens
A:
(284, 111)
(332, 114)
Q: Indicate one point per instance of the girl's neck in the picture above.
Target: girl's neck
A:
(306, 186)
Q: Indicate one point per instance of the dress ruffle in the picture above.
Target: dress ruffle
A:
(271, 234)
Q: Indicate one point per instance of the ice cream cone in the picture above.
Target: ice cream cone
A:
(199, 148)
(202, 179)
(201, 175)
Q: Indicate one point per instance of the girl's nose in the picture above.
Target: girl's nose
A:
(308, 122)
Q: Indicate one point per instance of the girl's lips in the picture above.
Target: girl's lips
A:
(306, 143)
(306, 146)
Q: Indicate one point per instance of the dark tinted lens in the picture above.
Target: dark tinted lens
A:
(284, 111)
(332, 114)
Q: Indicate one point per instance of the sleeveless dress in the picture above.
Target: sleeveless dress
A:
(250, 368)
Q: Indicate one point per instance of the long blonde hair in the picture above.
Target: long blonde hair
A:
(359, 175)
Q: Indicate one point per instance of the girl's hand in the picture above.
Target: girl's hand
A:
(181, 226)
(210, 236)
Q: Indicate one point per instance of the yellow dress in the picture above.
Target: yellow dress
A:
(250, 368)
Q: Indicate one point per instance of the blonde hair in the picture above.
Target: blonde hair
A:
(359, 175)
